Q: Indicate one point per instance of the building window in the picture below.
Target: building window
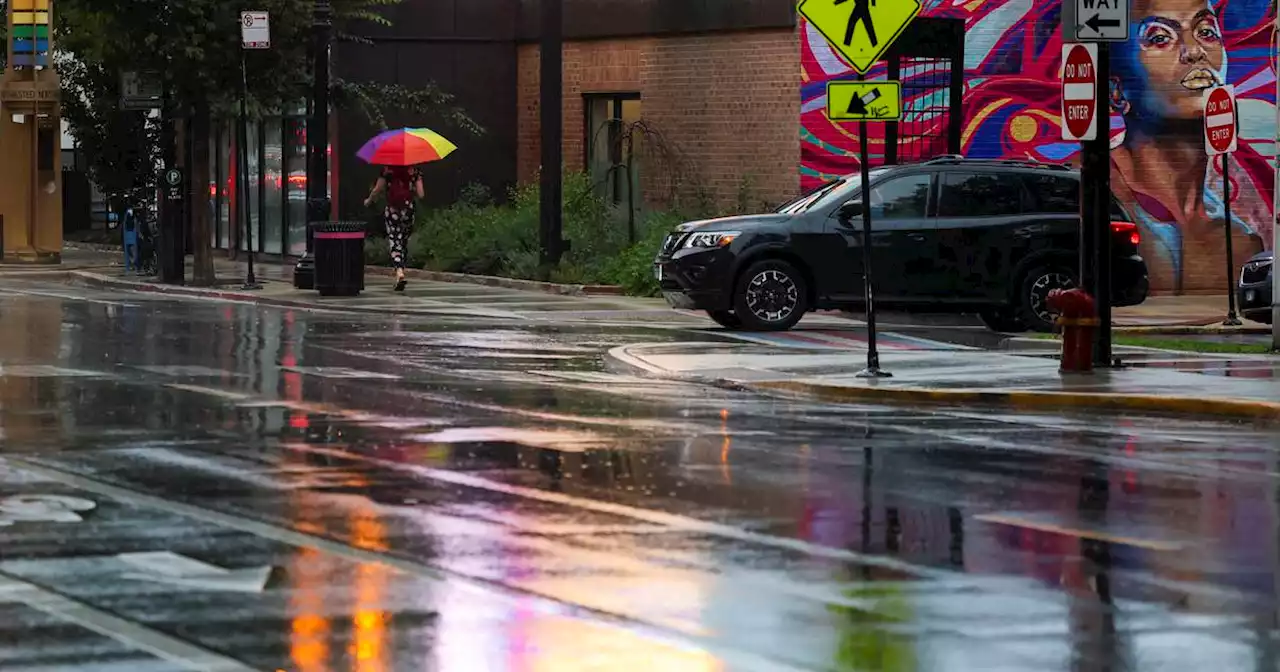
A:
(226, 185)
(296, 183)
(273, 178)
(610, 145)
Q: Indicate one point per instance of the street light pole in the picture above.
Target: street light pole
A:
(552, 132)
(317, 138)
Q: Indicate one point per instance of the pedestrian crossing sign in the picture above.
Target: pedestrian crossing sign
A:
(860, 30)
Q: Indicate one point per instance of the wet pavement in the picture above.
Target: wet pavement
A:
(201, 485)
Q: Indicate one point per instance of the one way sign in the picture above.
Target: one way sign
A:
(1095, 20)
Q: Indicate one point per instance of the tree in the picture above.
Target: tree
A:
(195, 44)
(120, 147)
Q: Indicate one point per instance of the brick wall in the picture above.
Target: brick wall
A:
(727, 105)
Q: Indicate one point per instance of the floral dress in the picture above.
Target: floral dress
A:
(399, 213)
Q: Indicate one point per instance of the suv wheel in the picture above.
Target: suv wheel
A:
(725, 318)
(1033, 303)
(1003, 320)
(770, 296)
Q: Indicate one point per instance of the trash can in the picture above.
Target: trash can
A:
(339, 253)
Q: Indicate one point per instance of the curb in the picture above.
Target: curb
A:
(1020, 399)
(621, 358)
(458, 278)
(505, 283)
(1193, 330)
(101, 281)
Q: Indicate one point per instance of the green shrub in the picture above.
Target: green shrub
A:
(376, 252)
(478, 237)
(632, 269)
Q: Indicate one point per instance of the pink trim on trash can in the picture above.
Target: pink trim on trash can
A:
(339, 235)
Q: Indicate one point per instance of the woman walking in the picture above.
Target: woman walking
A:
(402, 184)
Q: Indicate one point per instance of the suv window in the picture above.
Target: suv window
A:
(1054, 193)
(901, 198)
(980, 195)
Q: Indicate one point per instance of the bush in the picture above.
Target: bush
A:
(376, 252)
(478, 237)
(632, 269)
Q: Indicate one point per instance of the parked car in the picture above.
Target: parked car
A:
(950, 235)
(1255, 287)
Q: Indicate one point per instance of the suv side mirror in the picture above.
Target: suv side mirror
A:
(848, 211)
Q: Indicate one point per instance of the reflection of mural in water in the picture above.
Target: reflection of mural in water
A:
(1159, 168)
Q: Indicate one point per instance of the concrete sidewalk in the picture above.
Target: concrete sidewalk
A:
(1177, 383)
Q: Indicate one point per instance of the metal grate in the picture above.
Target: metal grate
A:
(927, 109)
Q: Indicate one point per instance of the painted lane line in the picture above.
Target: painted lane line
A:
(186, 655)
(525, 598)
(9, 291)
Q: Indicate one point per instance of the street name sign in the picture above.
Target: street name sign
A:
(1079, 92)
(1095, 20)
(140, 91)
(255, 30)
(1220, 135)
(864, 101)
(861, 30)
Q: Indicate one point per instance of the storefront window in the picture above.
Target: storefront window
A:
(225, 186)
(273, 171)
(296, 188)
(251, 183)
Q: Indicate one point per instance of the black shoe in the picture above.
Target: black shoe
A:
(400, 284)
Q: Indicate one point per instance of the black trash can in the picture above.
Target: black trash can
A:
(339, 253)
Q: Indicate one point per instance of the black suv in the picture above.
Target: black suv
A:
(949, 235)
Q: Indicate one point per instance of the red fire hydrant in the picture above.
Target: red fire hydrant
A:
(1078, 317)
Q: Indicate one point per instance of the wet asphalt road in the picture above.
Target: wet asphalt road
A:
(192, 485)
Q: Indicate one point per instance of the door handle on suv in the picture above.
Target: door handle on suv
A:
(918, 237)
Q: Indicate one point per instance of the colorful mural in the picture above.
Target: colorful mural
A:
(1160, 171)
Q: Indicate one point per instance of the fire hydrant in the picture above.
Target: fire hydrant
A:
(1078, 317)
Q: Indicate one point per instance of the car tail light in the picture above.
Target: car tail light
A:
(1127, 230)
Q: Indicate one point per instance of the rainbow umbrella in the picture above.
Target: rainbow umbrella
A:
(405, 147)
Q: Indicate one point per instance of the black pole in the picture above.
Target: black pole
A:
(552, 132)
(169, 245)
(1233, 319)
(1095, 234)
(318, 204)
(250, 282)
(873, 355)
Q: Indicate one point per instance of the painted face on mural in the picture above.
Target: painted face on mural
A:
(1180, 54)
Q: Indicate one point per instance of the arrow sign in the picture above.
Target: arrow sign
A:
(1096, 23)
(180, 570)
(876, 100)
(858, 105)
(1095, 20)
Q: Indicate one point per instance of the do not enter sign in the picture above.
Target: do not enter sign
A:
(1220, 120)
(1079, 91)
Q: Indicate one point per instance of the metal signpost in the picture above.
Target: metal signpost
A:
(862, 31)
(255, 33)
(1088, 28)
(1221, 139)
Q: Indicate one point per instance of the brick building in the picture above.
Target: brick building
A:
(732, 96)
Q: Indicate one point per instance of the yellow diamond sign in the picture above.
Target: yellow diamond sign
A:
(861, 30)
